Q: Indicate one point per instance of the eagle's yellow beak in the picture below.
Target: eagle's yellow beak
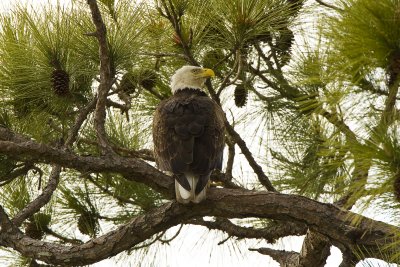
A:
(207, 73)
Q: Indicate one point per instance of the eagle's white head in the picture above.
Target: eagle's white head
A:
(190, 77)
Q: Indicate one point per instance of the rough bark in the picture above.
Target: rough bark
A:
(284, 258)
(230, 203)
(327, 219)
(315, 250)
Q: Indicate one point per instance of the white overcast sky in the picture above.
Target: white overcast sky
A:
(196, 246)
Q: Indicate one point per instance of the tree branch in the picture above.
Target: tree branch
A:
(130, 168)
(16, 173)
(284, 258)
(335, 223)
(328, 5)
(62, 238)
(271, 233)
(262, 177)
(73, 132)
(41, 200)
(315, 250)
(105, 78)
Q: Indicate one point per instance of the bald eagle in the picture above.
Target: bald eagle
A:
(188, 134)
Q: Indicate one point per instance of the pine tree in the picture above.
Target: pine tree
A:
(311, 95)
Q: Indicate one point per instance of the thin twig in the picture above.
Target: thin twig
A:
(225, 82)
(157, 238)
(16, 173)
(166, 241)
(62, 238)
(329, 5)
(262, 177)
(73, 132)
(231, 158)
(163, 54)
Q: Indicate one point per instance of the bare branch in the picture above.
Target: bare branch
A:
(271, 233)
(328, 5)
(73, 132)
(262, 177)
(284, 258)
(231, 158)
(62, 238)
(105, 78)
(41, 200)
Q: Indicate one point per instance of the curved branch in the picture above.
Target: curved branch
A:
(41, 200)
(335, 223)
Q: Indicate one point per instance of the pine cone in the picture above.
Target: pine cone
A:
(240, 95)
(212, 58)
(87, 224)
(127, 84)
(148, 79)
(36, 225)
(60, 81)
(33, 230)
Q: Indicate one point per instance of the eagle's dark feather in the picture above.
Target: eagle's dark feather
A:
(188, 134)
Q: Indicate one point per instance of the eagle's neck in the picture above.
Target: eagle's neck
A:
(190, 91)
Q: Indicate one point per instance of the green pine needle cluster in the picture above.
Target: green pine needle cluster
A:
(365, 36)
(319, 108)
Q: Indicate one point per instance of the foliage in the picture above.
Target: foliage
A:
(324, 109)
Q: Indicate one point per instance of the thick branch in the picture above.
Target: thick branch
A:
(131, 168)
(327, 219)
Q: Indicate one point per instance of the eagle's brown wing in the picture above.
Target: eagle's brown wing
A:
(188, 136)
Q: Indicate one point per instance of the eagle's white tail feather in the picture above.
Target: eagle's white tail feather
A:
(184, 196)
(182, 191)
(201, 196)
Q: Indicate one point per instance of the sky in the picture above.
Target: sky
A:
(195, 245)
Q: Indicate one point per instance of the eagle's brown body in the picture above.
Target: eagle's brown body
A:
(188, 134)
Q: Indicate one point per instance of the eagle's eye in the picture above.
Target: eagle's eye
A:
(195, 71)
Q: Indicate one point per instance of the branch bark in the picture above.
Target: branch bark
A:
(105, 77)
(331, 221)
(284, 258)
(271, 233)
(41, 200)
(315, 250)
